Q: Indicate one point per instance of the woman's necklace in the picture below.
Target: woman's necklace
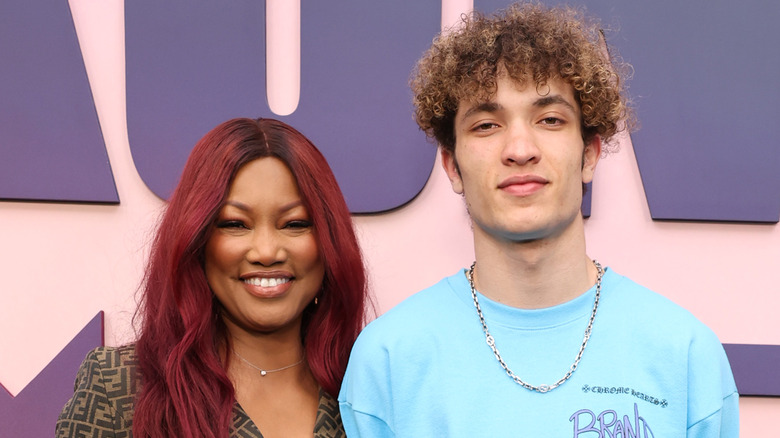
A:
(492, 343)
(264, 372)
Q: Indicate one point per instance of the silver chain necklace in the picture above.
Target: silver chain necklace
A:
(492, 342)
(263, 372)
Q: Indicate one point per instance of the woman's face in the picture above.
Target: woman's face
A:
(262, 259)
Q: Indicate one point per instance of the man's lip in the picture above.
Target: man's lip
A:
(521, 179)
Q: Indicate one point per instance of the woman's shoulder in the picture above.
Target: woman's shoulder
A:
(113, 357)
(104, 394)
(112, 367)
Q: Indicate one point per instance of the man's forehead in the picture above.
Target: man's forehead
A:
(547, 92)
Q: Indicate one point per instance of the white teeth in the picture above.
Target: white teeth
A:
(266, 282)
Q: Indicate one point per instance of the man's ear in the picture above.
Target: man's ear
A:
(590, 157)
(450, 165)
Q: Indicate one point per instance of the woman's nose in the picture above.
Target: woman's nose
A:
(266, 248)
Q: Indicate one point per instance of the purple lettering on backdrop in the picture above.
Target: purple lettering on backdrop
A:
(586, 200)
(703, 87)
(51, 147)
(34, 411)
(356, 57)
(191, 66)
(755, 368)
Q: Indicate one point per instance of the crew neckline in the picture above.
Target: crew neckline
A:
(528, 319)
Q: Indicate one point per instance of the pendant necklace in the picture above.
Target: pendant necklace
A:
(492, 342)
(263, 372)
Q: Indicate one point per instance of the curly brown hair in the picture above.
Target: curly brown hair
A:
(528, 41)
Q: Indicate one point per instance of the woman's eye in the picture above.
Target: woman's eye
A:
(298, 224)
(230, 224)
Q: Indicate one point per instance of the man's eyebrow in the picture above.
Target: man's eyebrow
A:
(487, 107)
(555, 99)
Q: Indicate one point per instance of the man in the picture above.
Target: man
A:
(535, 339)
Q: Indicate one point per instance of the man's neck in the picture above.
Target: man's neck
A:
(535, 274)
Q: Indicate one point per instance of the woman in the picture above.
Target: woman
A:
(254, 294)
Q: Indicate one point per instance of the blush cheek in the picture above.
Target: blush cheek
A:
(223, 258)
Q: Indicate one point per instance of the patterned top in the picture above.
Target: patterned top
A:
(102, 405)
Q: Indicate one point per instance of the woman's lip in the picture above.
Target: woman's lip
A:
(270, 291)
(266, 274)
(283, 279)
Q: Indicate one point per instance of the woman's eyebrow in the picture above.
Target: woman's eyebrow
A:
(284, 208)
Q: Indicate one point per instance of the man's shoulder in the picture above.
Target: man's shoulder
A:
(430, 296)
(626, 291)
(652, 308)
(419, 311)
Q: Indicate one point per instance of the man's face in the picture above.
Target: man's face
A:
(520, 160)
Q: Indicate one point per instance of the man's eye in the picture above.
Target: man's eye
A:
(485, 126)
(552, 121)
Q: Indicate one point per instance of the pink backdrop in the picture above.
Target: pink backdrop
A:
(61, 264)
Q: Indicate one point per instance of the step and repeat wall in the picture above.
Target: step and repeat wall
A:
(101, 102)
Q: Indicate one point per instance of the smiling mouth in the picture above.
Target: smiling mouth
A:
(266, 282)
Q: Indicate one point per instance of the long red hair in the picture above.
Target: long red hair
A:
(184, 383)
